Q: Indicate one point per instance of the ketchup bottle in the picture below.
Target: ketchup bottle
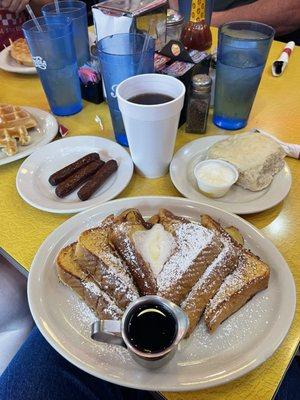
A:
(196, 33)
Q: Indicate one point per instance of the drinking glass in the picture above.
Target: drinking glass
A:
(76, 11)
(53, 54)
(121, 57)
(243, 48)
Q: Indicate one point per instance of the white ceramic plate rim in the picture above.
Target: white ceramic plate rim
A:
(242, 208)
(18, 69)
(261, 352)
(62, 208)
(48, 135)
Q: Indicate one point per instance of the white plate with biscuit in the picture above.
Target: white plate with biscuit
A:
(7, 63)
(33, 175)
(238, 200)
(44, 132)
(243, 342)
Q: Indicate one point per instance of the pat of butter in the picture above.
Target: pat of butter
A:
(155, 246)
(215, 174)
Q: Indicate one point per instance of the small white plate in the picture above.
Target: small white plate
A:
(32, 178)
(241, 343)
(7, 63)
(237, 200)
(43, 133)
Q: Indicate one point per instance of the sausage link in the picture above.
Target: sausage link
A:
(97, 180)
(74, 181)
(67, 171)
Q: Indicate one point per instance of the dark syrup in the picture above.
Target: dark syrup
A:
(150, 99)
(151, 328)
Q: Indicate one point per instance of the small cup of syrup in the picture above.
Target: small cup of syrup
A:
(151, 329)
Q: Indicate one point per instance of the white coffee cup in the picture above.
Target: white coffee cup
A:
(151, 129)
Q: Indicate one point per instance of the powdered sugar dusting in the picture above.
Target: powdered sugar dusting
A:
(108, 352)
(192, 238)
(127, 251)
(116, 267)
(109, 306)
(117, 275)
(115, 285)
(245, 271)
(81, 315)
(213, 267)
(128, 248)
(92, 287)
(242, 329)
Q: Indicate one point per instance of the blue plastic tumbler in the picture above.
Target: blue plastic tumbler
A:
(53, 54)
(76, 11)
(243, 48)
(120, 57)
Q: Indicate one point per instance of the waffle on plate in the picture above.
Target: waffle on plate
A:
(15, 123)
(20, 52)
(199, 265)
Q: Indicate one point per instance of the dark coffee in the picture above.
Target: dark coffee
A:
(151, 328)
(150, 99)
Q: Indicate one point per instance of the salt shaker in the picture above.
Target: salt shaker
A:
(198, 104)
(174, 25)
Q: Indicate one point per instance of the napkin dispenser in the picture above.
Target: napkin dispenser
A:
(135, 16)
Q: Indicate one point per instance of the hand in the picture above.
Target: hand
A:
(15, 6)
(217, 18)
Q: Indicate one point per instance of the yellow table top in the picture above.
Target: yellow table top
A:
(276, 110)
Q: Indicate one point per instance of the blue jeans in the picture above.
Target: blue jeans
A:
(38, 372)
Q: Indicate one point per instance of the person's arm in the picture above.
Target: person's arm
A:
(17, 6)
(36, 5)
(282, 15)
(173, 4)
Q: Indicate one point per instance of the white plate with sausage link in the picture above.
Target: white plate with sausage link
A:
(32, 178)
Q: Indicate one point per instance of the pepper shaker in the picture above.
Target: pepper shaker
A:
(198, 104)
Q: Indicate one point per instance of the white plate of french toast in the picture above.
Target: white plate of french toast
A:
(17, 58)
(264, 178)
(232, 283)
(23, 130)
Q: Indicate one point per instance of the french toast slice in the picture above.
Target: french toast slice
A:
(121, 236)
(250, 277)
(196, 248)
(71, 274)
(214, 275)
(96, 257)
